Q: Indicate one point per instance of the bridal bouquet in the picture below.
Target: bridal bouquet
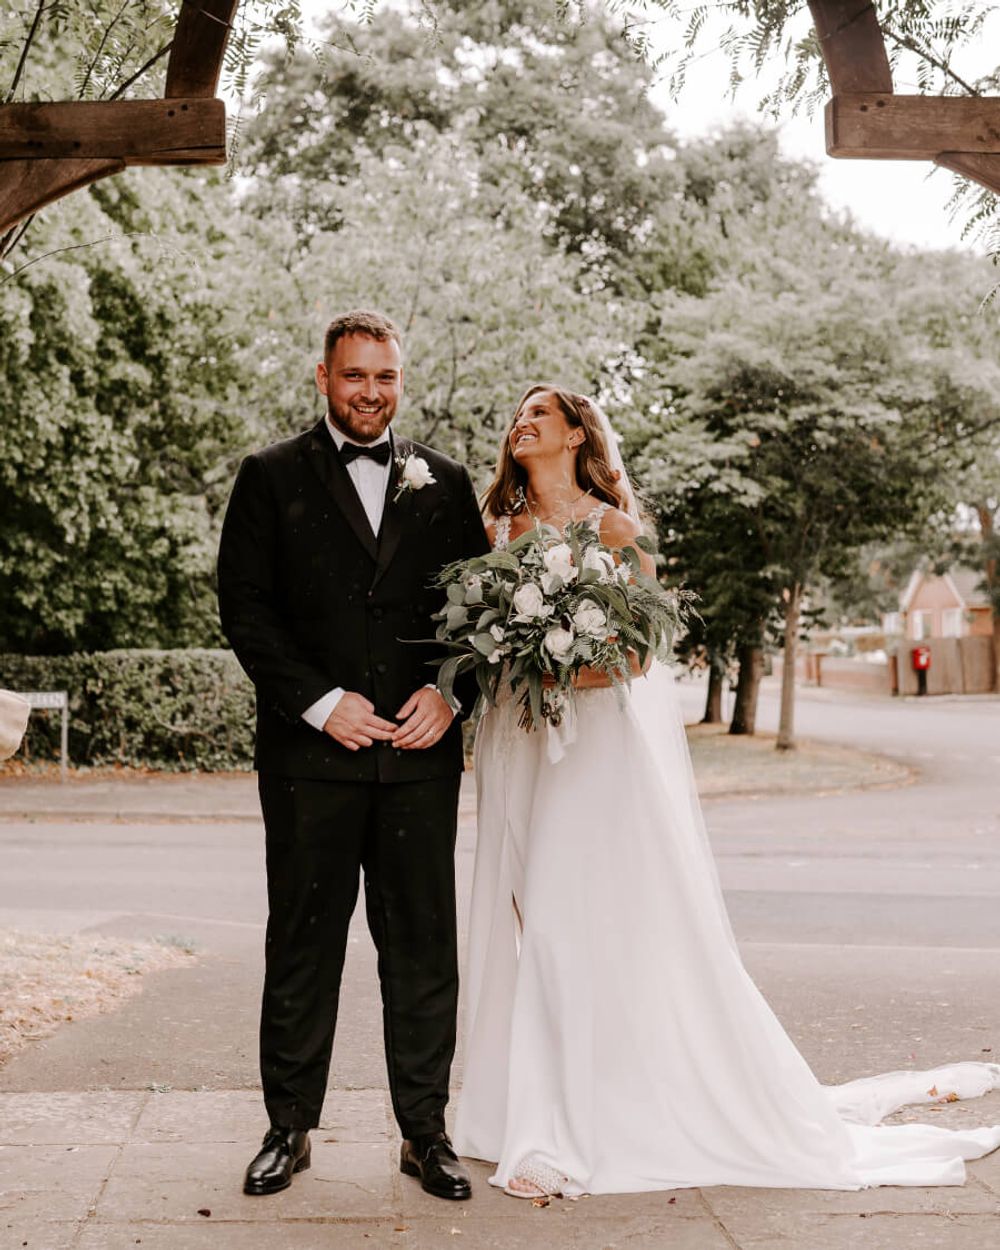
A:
(531, 616)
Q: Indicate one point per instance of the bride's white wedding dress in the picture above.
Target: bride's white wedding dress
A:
(617, 1038)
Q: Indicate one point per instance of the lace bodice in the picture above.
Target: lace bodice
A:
(501, 538)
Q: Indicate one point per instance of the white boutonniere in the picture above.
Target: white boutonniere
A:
(414, 474)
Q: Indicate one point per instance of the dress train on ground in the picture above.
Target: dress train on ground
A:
(617, 1037)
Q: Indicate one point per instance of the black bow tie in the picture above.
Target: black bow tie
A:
(380, 452)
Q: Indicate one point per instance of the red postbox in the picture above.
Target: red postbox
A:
(920, 658)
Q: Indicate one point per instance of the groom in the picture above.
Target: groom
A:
(329, 547)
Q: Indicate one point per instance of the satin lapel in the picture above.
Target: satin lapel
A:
(322, 455)
(396, 513)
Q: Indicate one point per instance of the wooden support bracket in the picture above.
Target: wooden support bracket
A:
(876, 126)
(865, 120)
(138, 132)
(27, 186)
(49, 150)
(979, 167)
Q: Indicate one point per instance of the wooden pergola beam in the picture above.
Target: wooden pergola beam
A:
(136, 132)
(866, 120)
(49, 150)
(876, 126)
(850, 39)
(199, 45)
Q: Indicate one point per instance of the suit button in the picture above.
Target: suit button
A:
(377, 613)
(381, 668)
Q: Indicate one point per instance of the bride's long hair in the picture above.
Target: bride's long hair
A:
(505, 495)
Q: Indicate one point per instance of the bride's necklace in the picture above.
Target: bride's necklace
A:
(547, 516)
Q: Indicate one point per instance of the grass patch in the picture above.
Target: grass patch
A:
(46, 980)
(728, 765)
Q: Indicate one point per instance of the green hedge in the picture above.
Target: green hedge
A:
(175, 710)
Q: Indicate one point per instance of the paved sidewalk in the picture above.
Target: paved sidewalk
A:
(106, 1171)
(157, 796)
(133, 1129)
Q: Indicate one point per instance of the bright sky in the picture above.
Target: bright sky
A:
(904, 201)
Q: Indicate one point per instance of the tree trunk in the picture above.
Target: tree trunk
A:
(786, 722)
(987, 531)
(713, 700)
(747, 688)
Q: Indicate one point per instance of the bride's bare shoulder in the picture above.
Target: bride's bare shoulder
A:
(618, 528)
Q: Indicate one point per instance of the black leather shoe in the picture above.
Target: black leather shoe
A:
(285, 1151)
(432, 1159)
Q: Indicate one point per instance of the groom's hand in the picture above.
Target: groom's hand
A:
(353, 723)
(425, 717)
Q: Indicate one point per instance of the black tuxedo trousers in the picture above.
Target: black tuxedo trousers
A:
(311, 599)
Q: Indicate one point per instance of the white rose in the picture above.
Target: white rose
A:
(589, 618)
(495, 656)
(601, 562)
(558, 560)
(551, 582)
(559, 642)
(530, 602)
(417, 473)
(497, 633)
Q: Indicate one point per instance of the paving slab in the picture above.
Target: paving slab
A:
(211, 1234)
(239, 1116)
(558, 1226)
(41, 1236)
(51, 1183)
(175, 1181)
(784, 1207)
(986, 1172)
(68, 1119)
(551, 1229)
(754, 1231)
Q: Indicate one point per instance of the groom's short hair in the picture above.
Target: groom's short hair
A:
(360, 321)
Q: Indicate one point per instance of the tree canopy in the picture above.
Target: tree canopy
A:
(790, 391)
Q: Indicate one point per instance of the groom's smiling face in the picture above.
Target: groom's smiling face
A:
(362, 380)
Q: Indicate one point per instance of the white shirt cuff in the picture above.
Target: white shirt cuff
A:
(318, 713)
(453, 703)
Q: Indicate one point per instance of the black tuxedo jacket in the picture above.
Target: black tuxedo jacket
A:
(310, 599)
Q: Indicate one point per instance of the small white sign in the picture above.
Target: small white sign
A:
(57, 699)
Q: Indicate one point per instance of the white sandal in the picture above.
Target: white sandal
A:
(545, 1181)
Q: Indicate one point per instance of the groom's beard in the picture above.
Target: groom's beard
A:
(362, 427)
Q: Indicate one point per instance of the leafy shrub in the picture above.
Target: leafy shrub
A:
(177, 710)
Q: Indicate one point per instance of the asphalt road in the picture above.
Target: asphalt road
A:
(871, 920)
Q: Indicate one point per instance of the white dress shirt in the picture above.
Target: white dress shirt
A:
(371, 481)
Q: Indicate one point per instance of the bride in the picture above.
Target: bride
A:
(615, 1041)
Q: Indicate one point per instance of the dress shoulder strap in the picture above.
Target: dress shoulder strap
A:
(596, 515)
(501, 537)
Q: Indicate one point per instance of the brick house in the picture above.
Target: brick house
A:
(951, 605)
